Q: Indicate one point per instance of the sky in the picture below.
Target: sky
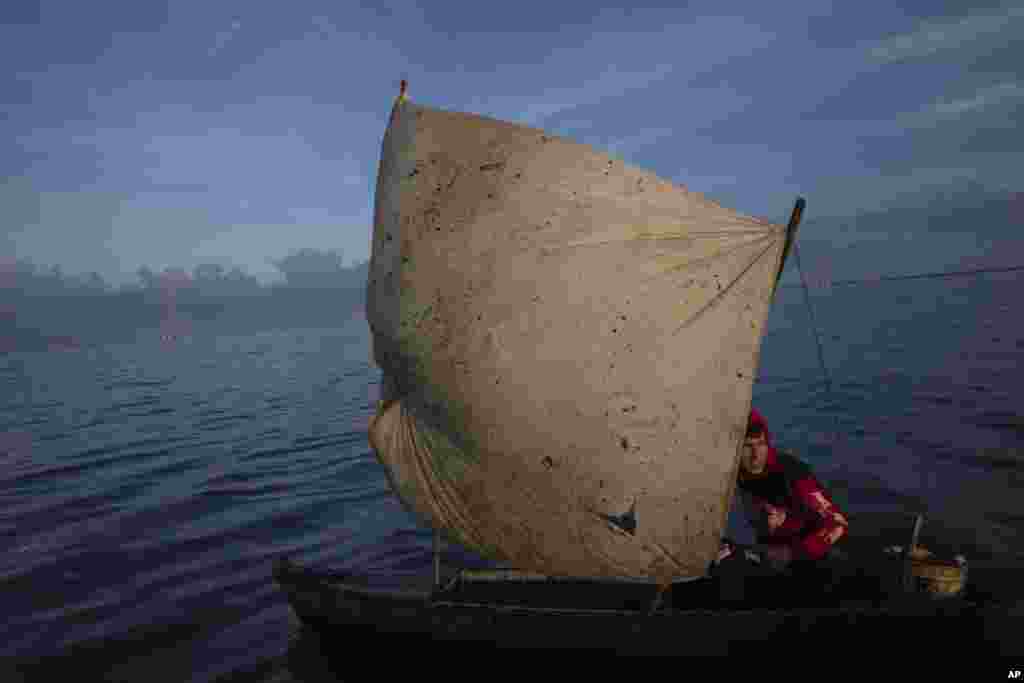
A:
(185, 132)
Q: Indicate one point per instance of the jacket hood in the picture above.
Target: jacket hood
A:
(757, 421)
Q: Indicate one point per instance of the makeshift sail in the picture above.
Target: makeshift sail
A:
(568, 345)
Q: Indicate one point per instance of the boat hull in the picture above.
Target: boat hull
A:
(694, 618)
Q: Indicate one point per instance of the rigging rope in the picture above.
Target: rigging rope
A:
(810, 312)
(920, 276)
(814, 327)
(817, 341)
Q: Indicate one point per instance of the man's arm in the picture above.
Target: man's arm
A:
(832, 524)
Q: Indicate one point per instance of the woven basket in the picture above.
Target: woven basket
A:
(936, 577)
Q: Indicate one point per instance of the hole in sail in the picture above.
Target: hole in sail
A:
(626, 522)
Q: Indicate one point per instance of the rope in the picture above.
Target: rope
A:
(921, 276)
(817, 341)
(810, 313)
(888, 278)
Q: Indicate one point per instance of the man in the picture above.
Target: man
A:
(795, 520)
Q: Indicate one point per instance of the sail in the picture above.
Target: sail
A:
(568, 347)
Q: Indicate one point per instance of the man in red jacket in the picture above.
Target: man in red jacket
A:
(795, 519)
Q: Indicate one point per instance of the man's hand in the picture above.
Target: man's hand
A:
(776, 517)
(724, 552)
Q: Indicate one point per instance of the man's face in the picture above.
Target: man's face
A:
(755, 453)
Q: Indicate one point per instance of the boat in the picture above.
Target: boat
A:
(508, 609)
(569, 346)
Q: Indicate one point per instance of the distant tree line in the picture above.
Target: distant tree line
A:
(40, 304)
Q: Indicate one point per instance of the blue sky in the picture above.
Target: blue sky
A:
(187, 132)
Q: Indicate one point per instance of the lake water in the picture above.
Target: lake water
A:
(146, 490)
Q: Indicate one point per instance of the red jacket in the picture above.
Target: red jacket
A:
(813, 522)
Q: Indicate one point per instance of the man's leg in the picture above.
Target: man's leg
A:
(746, 578)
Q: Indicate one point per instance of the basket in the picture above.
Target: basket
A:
(937, 577)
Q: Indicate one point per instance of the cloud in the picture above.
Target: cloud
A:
(983, 101)
(591, 90)
(50, 227)
(847, 196)
(619, 65)
(171, 189)
(983, 98)
(626, 129)
(227, 157)
(319, 230)
(936, 36)
(175, 150)
(611, 83)
(222, 38)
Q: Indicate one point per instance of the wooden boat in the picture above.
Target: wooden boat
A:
(521, 610)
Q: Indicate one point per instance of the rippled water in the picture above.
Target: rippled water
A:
(146, 489)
